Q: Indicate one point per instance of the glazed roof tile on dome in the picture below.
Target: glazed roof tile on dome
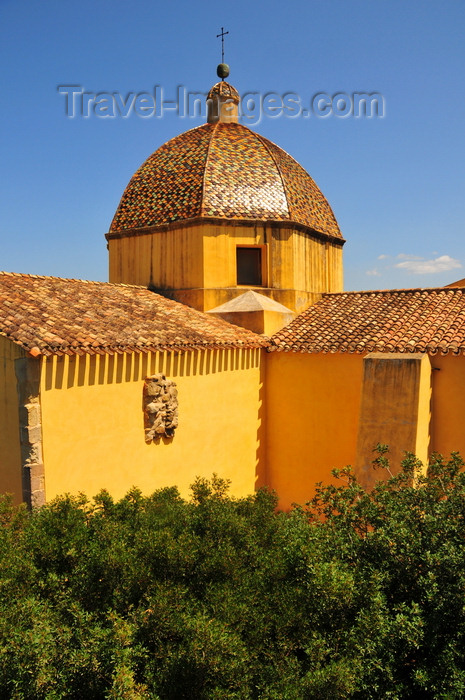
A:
(222, 171)
(54, 316)
(407, 320)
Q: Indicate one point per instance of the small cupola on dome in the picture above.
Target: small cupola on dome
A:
(223, 99)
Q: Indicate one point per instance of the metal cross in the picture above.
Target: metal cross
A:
(222, 35)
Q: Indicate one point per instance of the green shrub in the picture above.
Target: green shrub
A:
(354, 595)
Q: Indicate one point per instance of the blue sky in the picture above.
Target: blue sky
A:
(396, 184)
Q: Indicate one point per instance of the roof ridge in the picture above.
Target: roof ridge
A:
(406, 290)
(71, 279)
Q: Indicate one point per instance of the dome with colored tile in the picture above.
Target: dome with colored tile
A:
(222, 171)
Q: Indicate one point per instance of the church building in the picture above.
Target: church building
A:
(223, 342)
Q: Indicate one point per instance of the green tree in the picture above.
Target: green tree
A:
(354, 595)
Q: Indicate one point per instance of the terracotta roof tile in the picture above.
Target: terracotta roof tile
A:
(50, 315)
(222, 171)
(406, 320)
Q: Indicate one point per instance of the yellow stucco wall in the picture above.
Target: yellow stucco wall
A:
(313, 404)
(288, 433)
(198, 261)
(10, 452)
(448, 404)
(93, 425)
(167, 259)
(295, 260)
(313, 409)
(423, 440)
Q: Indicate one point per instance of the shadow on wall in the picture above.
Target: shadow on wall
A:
(88, 370)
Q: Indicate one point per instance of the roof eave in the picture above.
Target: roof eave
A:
(217, 221)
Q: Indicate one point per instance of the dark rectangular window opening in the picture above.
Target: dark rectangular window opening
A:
(249, 266)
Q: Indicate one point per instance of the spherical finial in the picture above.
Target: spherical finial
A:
(222, 71)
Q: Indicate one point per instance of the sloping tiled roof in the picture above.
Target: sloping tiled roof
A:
(409, 320)
(49, 315)
(222, 170)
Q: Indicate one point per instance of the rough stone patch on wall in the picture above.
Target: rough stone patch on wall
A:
(30, 426)
(394, 410)
(160, 404)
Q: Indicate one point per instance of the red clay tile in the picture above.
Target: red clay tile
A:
(406, 320)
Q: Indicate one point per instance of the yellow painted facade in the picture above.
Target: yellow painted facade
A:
(448, 404)
(196, 263)
(93, 423)
(11, 480)
(279, 419)
(312, 409)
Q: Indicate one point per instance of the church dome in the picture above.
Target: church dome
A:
(222, 171)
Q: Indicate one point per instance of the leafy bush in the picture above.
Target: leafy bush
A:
(355, 595)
